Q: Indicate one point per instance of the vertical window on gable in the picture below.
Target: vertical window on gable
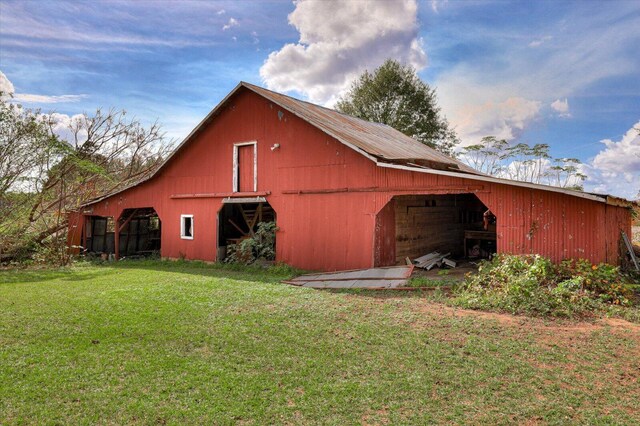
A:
(186, 226)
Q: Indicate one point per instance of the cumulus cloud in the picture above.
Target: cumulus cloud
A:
(561, 107)
(6, 87)
(232, 23)
(504, 119)
(338, 41)
(63, 125)
(616, 169)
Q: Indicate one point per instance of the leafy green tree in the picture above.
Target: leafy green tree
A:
(394, 95)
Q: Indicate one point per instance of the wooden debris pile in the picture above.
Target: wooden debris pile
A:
(429, 261)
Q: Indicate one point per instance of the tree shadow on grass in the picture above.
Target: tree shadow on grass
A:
(270, 274)
(26, 276)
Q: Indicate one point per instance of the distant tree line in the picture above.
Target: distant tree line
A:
(497, 157)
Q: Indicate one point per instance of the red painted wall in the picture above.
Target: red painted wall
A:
(343, 230)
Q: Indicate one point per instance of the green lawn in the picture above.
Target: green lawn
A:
(176, 343)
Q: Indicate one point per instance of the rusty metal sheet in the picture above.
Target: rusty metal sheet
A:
(355, 284)
(362, 278)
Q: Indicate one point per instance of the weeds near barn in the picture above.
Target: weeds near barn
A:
(533, 285)
(191, 343)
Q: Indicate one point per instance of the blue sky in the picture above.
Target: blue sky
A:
(562, 73)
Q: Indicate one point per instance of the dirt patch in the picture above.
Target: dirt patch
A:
(559, 328)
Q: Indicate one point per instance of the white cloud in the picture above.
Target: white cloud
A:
(63, 125)
(221, 12)
(561, 107)
(539, 42)
(616, 169)
(338, 41)
(232, 23)
(44, 99)
(6, 87)
(435, 5)
(475, 114)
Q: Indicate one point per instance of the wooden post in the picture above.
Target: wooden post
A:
(116, 239)
(85, 226)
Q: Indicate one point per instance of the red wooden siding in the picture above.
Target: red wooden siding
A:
(333, 204)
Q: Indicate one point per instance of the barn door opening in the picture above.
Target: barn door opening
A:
(453, 223)
(238, 221)
(139, 232)
(245, 167)
(99, 235)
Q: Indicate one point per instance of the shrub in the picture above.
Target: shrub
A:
(261, 246)
(533, 285)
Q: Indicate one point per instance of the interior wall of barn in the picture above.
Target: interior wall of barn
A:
(428, 223)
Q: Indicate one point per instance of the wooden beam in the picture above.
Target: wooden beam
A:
(222, 195)
(246, 220)
(119, 228)
(437, 190)
(237, 227)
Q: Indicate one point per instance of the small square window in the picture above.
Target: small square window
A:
(186, 226)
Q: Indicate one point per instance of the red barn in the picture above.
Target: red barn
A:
(345, 193)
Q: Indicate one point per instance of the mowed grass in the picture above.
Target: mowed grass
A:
(180, 343)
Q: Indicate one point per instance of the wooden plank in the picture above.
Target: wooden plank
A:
(634, 260)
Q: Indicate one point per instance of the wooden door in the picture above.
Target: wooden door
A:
(246, 168)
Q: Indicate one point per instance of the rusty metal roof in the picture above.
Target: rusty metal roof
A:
(376, 139)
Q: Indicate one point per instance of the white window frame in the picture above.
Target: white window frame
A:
(182, 234)
(255, 164)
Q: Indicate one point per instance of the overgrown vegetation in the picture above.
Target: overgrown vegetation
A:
(260, 247)
(51, 163)
(533, 285)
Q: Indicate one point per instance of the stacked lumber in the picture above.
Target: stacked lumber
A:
(429, 261)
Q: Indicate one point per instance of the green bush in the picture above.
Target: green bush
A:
(533, 285)
(262, 246)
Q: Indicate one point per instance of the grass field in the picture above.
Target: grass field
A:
(176, 343)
